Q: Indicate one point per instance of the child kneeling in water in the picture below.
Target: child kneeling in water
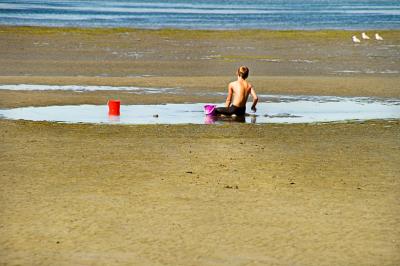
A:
(240, 90)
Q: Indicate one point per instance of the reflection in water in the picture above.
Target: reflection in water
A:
(212, 119)
(293, 110)
(114, 118)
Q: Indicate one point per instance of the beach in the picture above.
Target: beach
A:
(230, 194)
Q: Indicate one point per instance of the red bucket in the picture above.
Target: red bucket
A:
(113, 107)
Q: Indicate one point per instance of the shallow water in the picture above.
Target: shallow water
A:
(205, 14)
(278, 109)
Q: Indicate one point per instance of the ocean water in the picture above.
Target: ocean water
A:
(205, 14)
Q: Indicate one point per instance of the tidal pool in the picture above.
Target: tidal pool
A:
(277, 109)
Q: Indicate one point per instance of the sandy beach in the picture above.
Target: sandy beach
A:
(232, 194)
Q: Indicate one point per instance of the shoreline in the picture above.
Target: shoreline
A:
(199, 32)
(168, 29)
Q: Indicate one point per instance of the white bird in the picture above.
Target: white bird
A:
(355, 39)
(365, 36)
(378, 37)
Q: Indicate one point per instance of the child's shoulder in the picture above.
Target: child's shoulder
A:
(233, 83)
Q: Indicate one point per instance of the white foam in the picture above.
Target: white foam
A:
(153, 9)
(270, 60)
(302, 61)
(347, 71)
(389, 72)
(368, 71)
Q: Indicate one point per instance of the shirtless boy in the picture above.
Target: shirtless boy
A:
(240, 90)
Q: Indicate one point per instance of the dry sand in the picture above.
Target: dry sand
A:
(237, 194)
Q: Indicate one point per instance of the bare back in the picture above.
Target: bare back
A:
(241, 90)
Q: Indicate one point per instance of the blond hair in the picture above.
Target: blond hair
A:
(243, 72)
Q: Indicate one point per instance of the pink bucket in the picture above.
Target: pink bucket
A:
(209, 109)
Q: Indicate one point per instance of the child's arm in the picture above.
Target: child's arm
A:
(229, 97)
(255, 99)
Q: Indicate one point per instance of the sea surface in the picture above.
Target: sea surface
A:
(205, 14)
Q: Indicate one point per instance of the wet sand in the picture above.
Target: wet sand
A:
(281, 62)
(235, 194)
(190, 90)
(35, 51)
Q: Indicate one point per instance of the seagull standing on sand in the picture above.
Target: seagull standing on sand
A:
(365, 36)
(356, 40)
(378, 37)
